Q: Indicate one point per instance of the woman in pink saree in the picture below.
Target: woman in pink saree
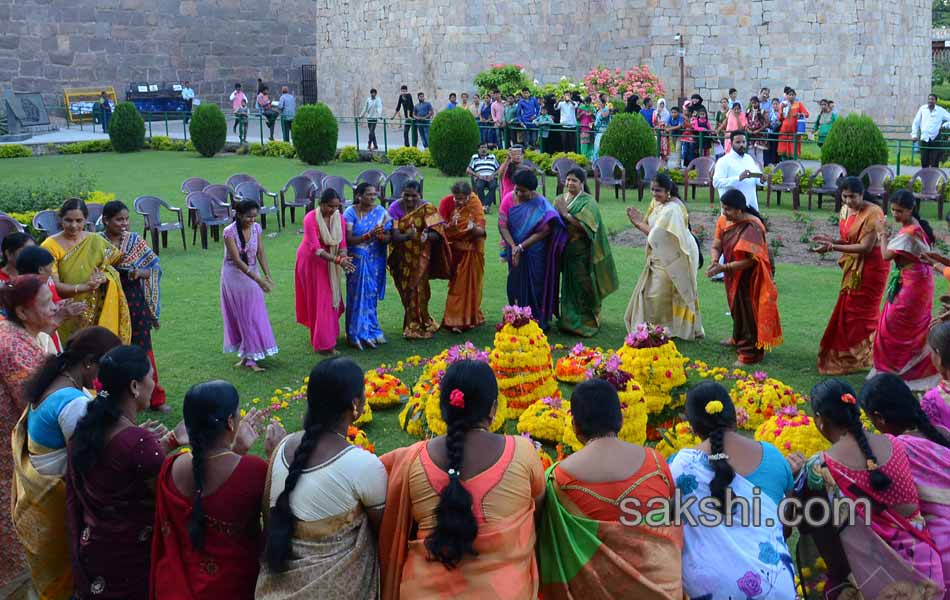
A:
(901, 343)
(893, 409)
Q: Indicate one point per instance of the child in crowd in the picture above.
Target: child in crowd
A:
(544, 121)
(936, 402)
(241, 117)
(674, 126)
(511, 121)
(703, 130)
(688, 141)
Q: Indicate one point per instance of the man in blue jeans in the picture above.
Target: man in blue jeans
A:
(423, 113)
(528, 110)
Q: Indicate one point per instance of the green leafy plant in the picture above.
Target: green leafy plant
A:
(255, 149)
(15, 151)
(628, 138)
(453, 139)
(315, 133)
(855, 143)
(86, 147)
(162, 143)
(580, 159)
(507, 79)
(280, 150)
(126, 128)
(349, 154)
(500, 155)
(48, 192)
(408, 156)
(208, 129)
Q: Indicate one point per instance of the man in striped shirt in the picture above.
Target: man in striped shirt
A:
(483, 169)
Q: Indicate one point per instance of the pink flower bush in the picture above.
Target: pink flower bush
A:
(623, 84)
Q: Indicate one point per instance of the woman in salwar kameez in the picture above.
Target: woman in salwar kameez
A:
(666, 293)
(465, 233)
(368, 228)
(589, 271)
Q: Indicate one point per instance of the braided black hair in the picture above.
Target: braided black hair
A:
(713, 426)
(206, 410)
(88, 345)
(118, 368)
(334, 384)
(906, 199)
(828, 402)
(887, 395)
(456, 528)
(240, 209)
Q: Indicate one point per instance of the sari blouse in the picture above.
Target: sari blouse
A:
(406, 257)
(854, 227)
(136, 255)
(457, 219)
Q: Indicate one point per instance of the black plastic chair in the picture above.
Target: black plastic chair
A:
(251, 190)
(206, 216)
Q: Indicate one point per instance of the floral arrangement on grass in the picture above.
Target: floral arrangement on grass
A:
(573, 367)
(545, 419)
(791, 431)
(384, 390)
(762, 397)
(703, 370)
(546, 459)
(674, 440)
(652, 358)
(521, 359)
(358, 437)
(366, 417)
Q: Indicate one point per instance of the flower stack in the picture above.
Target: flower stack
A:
(545, 419)
(674, 440)
(762, 397)
(652, 358)
(791, 431)
(573, 367)
(521, 359)
(384, 390)
(358, 437)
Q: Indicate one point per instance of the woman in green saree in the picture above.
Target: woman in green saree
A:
(589, 274)
(83, 270)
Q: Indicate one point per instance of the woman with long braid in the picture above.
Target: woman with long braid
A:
(325, 499)
(729, 465)
(460, 508)
(110, 481)
(893, 409)
(208, 505)
(867, 467)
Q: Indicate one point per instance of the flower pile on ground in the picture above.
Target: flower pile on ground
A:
(651, 357)
(521, 359)
(384, 390)
(545, 419)
(791, 431)
(674, 440)
(546, 459)
(704, 371)
(573, 367)
(358, 437)
(762, 397)
(366, 417)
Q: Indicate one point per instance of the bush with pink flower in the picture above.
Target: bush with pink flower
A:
(622, 84)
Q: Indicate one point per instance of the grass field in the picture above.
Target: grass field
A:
(188, 345)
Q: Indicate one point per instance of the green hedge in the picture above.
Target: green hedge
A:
(453, 139)
(855, 143)
(15, 151)
(409, 156)
(86, 147)
(349, 154)
(628, 138)
(167, 144)
(48, 192)
(315, 132)
(280, 150)
(208, 129)
(126, 128)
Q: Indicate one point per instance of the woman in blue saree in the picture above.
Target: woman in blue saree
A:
(368, 228)
(536, 237)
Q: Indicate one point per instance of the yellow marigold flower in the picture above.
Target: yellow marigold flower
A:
(821, 564)
(714, 407)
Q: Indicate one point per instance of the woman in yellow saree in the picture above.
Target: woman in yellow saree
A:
(83, 270)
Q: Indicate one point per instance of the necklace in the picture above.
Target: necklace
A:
(71, 380)
(217, 454)
(343, 437)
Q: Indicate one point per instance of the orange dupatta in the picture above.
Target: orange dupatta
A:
(397, 523)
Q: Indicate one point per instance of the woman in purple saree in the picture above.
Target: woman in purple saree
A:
(536, 237)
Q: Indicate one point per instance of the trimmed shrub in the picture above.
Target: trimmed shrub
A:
(453, 139)
(255, 149)
(47, 192)
(349, 154)
(126, 128)
(628, 138)
(855, 143)
(280, 150)
(315, 133)
(580, 159)
(408, 156)
(208, 129)
(542, 160)
(86, 147)
(162, 143)
(500, 155)
(15, 151)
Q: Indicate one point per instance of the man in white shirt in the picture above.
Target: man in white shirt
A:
(188, 95)
(738, 170)
(567, 108)
(372, 110)
(926, 129)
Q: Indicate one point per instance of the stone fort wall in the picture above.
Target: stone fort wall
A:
(868, 55)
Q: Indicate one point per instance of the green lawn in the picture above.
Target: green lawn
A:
(188, 345)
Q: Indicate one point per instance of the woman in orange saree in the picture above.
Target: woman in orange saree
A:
(419, 253)
(789, 144)
(465, 233)
(848, 343)
(752, 296)
(488, 485)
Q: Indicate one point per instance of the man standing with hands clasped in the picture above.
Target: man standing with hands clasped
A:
(926, 130)
(738, 170)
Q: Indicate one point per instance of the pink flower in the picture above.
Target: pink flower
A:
(457, 398)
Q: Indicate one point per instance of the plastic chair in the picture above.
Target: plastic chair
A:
(47, 221)
(375, 178)
(234, 181)
(414, 174)
(193, 184)
(304, 192)
(9, 225)
(831, 174)
(220, 192)
(95, 216)
(605, 169)
(703, 166)
(646, 169)
(792, 172)
(878, 178)
(560, 167)
(315, 176)
(340, 184)
(204, 205)
(150, 208)
(542, 176)
(251, 190)
(933, 181)
(396, 182)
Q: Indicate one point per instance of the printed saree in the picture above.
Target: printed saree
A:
(848, 342)
(589, 271)
(464, 299)
(414, 262)
(666, 293)
(751, 293)
(366, 286)
(583, 558)
(105, 306)
(534, 281)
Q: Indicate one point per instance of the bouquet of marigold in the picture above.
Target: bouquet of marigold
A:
(545, 419)
(652, 358)
(674, 440)
(384, 390)
(521, 359)
(573, 367)
(358, 437)
(761, 397)
(366, 417)
(791, 431)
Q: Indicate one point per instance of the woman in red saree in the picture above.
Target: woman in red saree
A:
(465, 233)
(901, 343)
(789, 144)
(848, 342)
(752, 296)
(208, 504)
